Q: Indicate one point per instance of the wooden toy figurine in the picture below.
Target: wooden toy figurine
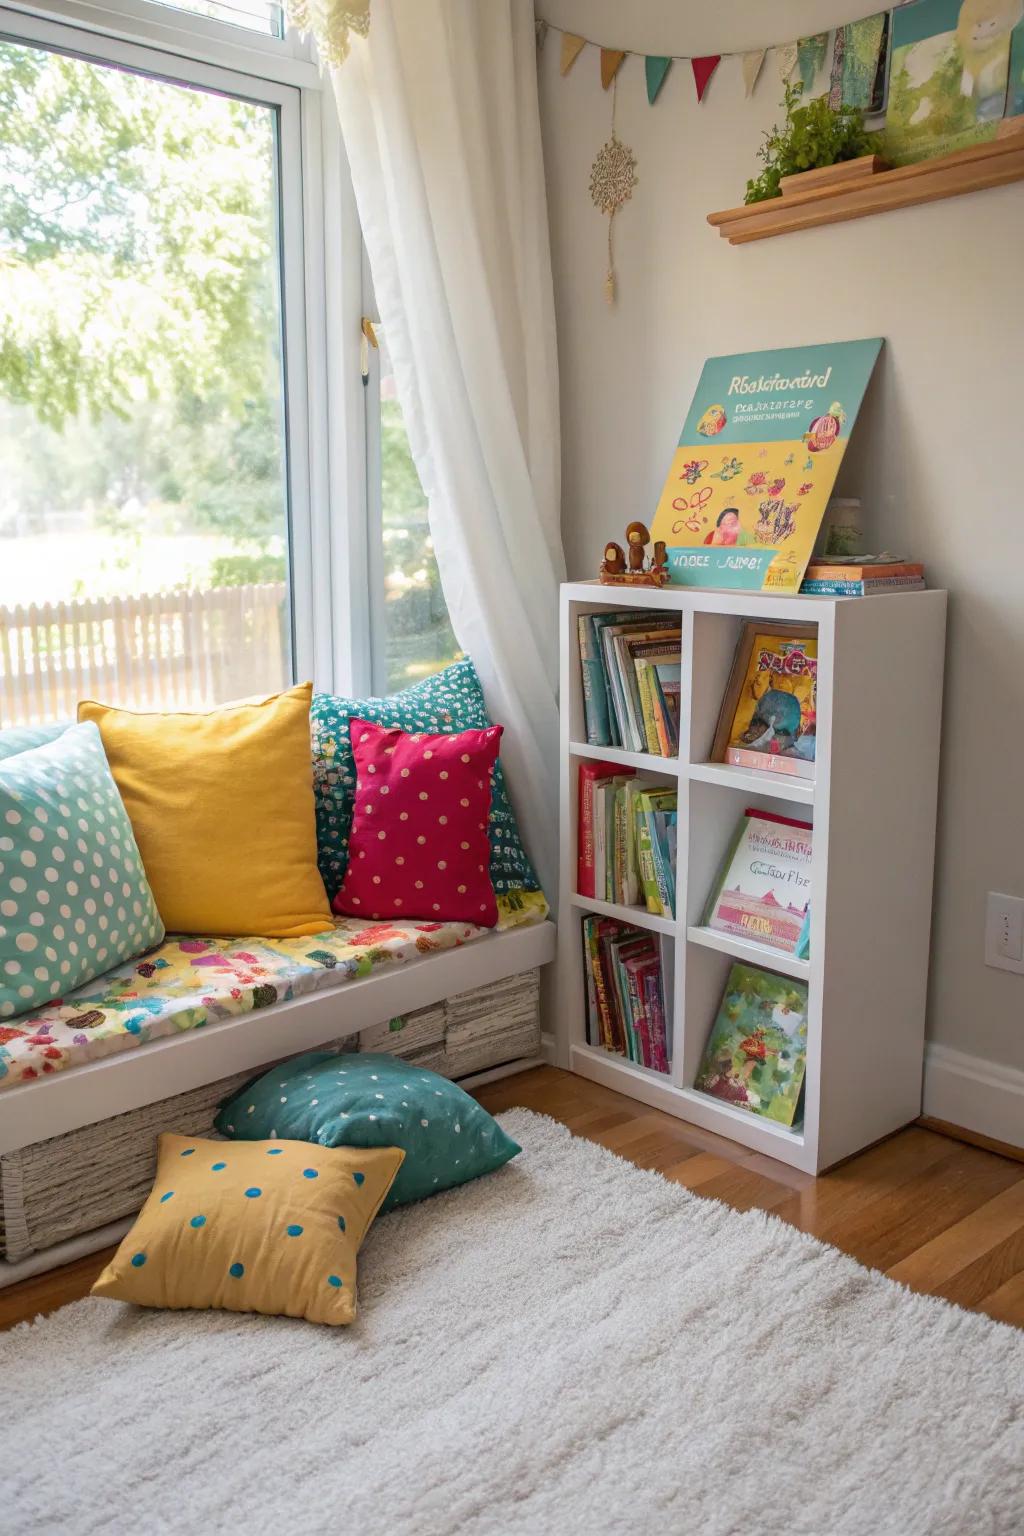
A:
(641, 572)
(614, 562)
(637, 539)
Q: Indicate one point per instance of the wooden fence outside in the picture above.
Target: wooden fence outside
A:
(160, 650)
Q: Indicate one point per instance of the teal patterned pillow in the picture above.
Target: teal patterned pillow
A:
(374, 1101)
(74, 898)
(449, 701)
(22, 738)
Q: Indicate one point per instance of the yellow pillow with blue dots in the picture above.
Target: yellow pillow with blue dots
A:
(253, 1226)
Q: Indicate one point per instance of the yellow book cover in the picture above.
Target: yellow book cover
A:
(775, 721)
(756, 463)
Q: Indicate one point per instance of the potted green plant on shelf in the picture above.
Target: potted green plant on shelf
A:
(813, 135)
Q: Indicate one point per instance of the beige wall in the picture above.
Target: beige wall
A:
(936, 458)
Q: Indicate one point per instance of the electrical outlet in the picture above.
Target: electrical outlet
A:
(1004, 932)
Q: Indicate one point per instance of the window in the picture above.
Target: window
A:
(143, 465)
(198, 501)
(412, 633)
(256, 15)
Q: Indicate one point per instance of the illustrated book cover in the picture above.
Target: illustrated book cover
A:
(949, 76)
(763, 891)
(756, 462)
(769, 711)
(756, 1054)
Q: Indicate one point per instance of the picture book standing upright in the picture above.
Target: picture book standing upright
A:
(770, 708)
(756, 462)
(756, 1053)
(763, 891)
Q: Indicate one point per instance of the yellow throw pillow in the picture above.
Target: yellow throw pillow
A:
(221, 804)
(253, 1226)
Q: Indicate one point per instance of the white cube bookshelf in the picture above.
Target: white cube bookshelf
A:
(873, 805)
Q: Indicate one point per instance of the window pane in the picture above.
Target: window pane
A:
(417, 635)
(256, 15)
(143, 503)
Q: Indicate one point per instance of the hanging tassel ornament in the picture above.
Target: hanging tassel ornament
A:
(612, 179)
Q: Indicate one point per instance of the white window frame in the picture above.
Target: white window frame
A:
(375, 566)
(321, 290)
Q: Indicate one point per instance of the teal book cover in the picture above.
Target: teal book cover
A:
(757, 1050)
(1015, 88)
(950, 75)
(756, 463)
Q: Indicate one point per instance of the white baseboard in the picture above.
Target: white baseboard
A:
(978, 1095)
(66, 1252)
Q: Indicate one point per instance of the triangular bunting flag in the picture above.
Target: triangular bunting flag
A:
(571, 45)
(656, 69)
(752, 62)
(786, 54)
(542, 33)
(611, 58)
(835, 84)
(703, 69)
(855, 63)
(810, 54)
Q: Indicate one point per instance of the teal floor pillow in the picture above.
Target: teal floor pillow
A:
(374, 1101)
(449, 701)
(74, 898)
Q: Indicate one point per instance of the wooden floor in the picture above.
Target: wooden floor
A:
(937, 1214)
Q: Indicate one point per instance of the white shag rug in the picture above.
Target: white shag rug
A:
(570, 1345)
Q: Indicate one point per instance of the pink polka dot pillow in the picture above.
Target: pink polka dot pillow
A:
(418, 845)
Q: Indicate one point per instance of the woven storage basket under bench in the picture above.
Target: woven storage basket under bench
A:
(73, 1184)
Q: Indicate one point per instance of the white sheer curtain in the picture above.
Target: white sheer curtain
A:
(439, 114)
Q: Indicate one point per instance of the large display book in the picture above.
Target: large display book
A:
(756, 463)
(956, 66)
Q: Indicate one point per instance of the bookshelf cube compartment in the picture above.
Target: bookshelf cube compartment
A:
(872, 805)
(586, 672)
(713, 649)
(707, 975)
(654, 1037)
(715, 641)
(585, 840)
(715, 813)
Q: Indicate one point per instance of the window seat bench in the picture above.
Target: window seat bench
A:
(157, 1043)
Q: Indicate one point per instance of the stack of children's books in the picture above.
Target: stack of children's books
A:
(626, 838)
(861, 576)
(625, 993)
(631, 679)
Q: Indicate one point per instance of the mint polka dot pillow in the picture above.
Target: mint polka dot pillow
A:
(449, 701)
(22, 738)
(74, 899)
(374, 1101)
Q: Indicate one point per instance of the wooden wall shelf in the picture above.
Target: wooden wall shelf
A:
(863, 188)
